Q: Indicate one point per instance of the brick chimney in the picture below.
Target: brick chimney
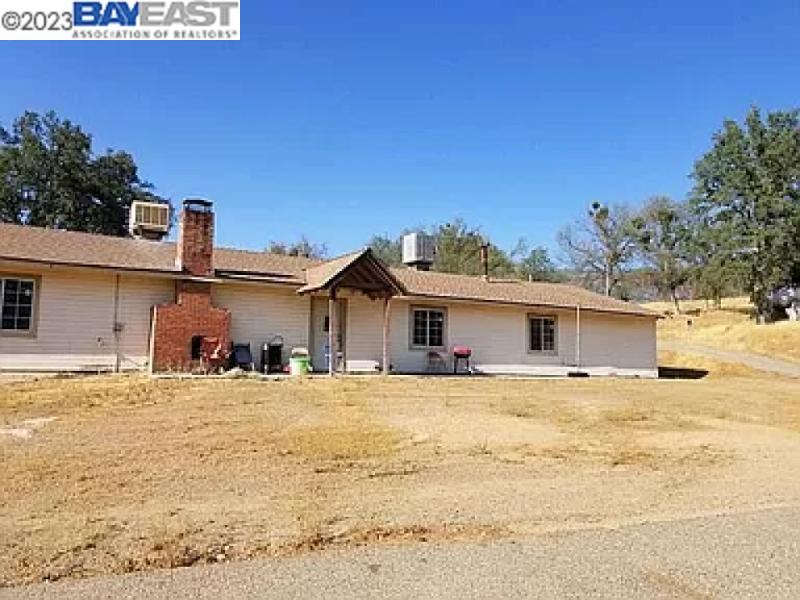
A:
(177, 326)
(195, 254)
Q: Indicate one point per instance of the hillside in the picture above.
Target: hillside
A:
(730, 327)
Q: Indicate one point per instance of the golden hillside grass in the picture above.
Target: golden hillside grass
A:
(733, 303)
(731, 327)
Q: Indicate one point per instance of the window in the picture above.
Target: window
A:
(427, 328)
(17, 296)
(542, 334)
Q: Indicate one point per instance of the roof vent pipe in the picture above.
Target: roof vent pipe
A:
(485, 261)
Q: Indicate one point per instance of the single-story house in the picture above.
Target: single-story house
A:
(75, 301)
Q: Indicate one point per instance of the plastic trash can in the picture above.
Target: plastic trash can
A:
(299, 365)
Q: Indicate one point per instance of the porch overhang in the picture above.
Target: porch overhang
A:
(360, 271)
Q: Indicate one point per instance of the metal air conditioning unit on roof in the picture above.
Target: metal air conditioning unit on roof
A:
(149, 220)
(419, 251)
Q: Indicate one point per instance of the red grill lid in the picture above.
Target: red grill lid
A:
(462, 351)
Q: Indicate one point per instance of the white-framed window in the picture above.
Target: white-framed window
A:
(542, 334)
(17, 305)
(427, 327)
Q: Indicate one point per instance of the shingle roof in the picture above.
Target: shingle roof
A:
(511, 291)
(84, 249)
(291, 268)
(318, 276)
(71, 247)
(372, 273)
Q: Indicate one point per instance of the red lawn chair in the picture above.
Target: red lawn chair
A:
(213, 357)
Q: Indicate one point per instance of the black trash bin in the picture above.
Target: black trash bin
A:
(272, 356)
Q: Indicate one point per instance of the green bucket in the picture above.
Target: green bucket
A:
(299, 365)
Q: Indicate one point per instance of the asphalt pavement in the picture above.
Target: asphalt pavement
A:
(747, 555)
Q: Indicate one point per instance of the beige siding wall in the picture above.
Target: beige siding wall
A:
(76, 328)
(617, 341)
(258, 313)
(136, 298)
(76, 322)
(498, 336)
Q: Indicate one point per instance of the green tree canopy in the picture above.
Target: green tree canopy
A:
(50, 177)
(389, 250)
(302, 247)
(664, 244)
(534, 263)
(747, 199)
(458, 250)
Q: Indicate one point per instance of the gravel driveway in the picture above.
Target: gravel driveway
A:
(755, 361)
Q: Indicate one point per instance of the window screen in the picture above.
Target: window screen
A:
(17, 297)
(428, 328)
(542, 334)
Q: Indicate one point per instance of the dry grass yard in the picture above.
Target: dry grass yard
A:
(730, 328)
(117, 474)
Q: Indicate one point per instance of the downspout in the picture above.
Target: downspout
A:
(117, 327)
(387, 324)
(333, 347)
(578, 336)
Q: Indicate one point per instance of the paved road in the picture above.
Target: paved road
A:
(755, 361)
(748, 555)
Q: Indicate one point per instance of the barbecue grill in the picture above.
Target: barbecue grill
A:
(461, 353)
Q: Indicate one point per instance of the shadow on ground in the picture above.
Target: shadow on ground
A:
(681, 373)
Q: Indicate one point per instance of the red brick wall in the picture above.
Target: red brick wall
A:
(195, 254)
(176, 324)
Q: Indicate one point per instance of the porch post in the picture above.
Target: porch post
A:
(387, 327)
(578, 336)
(333, 350)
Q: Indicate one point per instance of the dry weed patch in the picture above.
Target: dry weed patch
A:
(631, 453)
(338, 442)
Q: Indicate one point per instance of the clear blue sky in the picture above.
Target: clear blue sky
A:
(342, 119)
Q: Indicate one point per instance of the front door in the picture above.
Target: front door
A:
(320, 326)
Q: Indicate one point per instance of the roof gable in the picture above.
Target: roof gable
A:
(360, 270)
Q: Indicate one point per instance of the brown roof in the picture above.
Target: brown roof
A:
(319, 276)
(73, 248)
(84, 249)
(357, 269)
(511, 291)
(247, 262)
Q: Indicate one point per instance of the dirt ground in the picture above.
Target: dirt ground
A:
(117, 474)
